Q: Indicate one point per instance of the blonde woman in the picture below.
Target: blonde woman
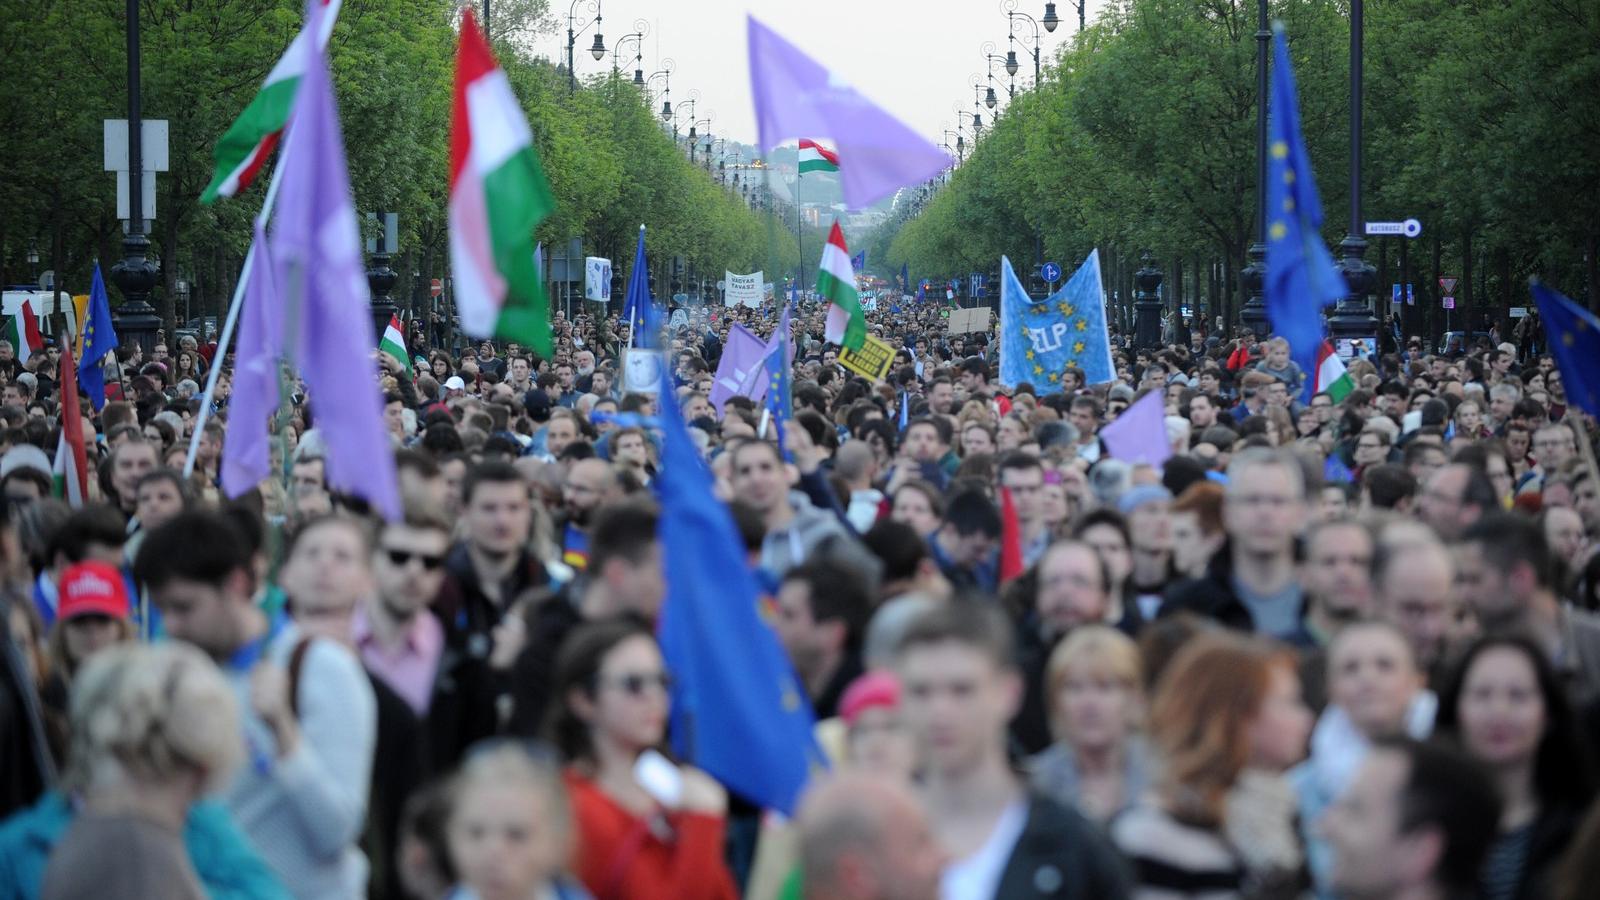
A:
(154, 729)
(510, 827)
(1100, 763)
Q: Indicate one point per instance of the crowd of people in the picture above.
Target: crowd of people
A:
(1336, 645)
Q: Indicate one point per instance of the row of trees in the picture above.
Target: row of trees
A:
(1482, 119)
(63, 66)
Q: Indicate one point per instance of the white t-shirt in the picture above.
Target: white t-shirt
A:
(977, 877)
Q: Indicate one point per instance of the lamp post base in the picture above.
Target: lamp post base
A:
(1253, 315)
(135, 276)
(1352, 318)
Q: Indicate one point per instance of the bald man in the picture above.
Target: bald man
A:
(864, 838)
(590, 484)
(1414, 583)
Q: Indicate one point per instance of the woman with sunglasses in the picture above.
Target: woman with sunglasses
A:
(646, 829)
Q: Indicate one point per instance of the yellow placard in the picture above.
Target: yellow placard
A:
(872, 361)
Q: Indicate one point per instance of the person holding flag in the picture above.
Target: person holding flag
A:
(99, 339)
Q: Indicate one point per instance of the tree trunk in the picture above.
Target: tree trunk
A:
(1465, 288)
(1434, 308)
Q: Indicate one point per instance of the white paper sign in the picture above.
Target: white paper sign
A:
(641, 370)
(597, 279)
(743, 289)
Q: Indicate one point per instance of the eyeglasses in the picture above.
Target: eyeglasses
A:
(430, 561)
(1364, 445)
(634, 684)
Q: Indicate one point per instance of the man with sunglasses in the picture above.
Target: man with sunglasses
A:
(397, 635)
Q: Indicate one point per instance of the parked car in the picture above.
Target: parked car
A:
(202, 330)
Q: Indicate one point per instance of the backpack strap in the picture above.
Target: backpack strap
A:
(297, 661)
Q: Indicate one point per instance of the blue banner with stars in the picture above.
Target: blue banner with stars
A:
(1574, 335)
(1039, 339)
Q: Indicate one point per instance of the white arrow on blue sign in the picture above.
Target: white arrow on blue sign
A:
(1050, 272)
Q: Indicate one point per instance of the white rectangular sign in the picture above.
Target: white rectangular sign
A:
(743, 290)
(597, 279)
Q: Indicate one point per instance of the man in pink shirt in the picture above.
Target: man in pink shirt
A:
(397, 636)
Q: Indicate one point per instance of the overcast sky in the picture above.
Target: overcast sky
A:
(915, 57)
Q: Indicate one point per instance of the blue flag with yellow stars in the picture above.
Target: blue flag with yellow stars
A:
(1039, 339)
(776, 365)
(99, 338)
(1301, 275)
(1574, 335)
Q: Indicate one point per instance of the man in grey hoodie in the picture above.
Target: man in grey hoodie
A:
(795, 526)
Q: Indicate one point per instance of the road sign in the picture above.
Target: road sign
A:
(1411, 295)
(1449, 302)
(1409, 228)
(1394, 297)
(1448, 285)
(436, 287)
(1050, 272)
(1519, 312)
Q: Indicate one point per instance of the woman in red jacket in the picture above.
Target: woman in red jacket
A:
(634, 842)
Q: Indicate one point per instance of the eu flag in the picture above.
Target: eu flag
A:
(1039, 339)
(905, 277)
(776, 364)
(738, 712)
(633, 308)
(99, 338)
(1574, 335)
(922, 291)
(1301, 276)
(859, 261)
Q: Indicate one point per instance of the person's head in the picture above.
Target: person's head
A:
(1372, 446)
(1148, 509)
(326, 572)
(1507, 707)
(918, 504)
(758, 475)
(1202, 412)
(941, 396)
(590, 484)
(158, 496)
(1373, 677)
(1264, 503)
(1553, 445)
(625, 560)
(1337, 575)
(1564, 532)
(822, 610)
(496, 509)
(1412, 585)
(1022, 474)
(1415, 817)
(865, 838)
(130, 461)
(92, 613)
(408, 561)
(1223, 703)
(960, 685)
(926, 440)
(611, 690)
(630, 448)
(1196, 525)
(154, 716)
(308, 482)
(1455, 497)
(1107, 532)
(1084, 414)
(1074, 587)
(197, 567)
(1095, 684)
(510, 826)
(1502, 400)
(1277, 353)
(970, 528)
(1503, 566)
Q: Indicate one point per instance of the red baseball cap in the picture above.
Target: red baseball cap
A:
(92, 588)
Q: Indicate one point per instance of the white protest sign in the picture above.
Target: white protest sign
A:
(743, 289)
(597, 279)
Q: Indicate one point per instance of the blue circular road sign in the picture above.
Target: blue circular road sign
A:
(1050, 272)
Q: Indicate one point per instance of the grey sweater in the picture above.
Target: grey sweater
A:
(304, 812)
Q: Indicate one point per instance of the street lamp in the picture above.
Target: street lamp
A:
(575, 27)
(637, 35)
(694, 139)
(1050, 20)
(1010, 9)
(988, 49)
(1253, 316)
(1352, 318)
(135, 321)
(33, 262)
(1147, 305)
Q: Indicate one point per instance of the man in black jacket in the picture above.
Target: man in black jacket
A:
(960, 689)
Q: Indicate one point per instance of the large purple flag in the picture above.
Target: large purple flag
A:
(797, 98)
(246, 456)
(1139, 434)
(741, 356)
(316, 247)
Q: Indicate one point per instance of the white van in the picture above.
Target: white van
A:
(45, 304)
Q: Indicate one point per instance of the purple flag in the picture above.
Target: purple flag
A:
(317, 249)
(797, 98)
(741, 357)
(246, 457)
(1139, 435)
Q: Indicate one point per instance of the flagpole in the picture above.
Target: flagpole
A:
(232, 320)
(799, 224)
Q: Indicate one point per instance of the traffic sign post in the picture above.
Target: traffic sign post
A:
(1410, 228)
(1050, 272)
(1447, 284)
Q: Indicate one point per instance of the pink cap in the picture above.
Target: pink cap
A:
(877, 688)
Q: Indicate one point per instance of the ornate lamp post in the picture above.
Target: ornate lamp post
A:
(1254, 314)
(1353, 317)
(641, 28)
(1009, 7)
(135, 320)
(989, 98)
(1147, 304)
(575, 27)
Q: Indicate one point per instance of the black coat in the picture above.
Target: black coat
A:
(1212, 596)
(1060, 854)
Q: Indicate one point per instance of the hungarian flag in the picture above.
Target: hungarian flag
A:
(498, 195)
(1010, 538)
(394, 342)
(22, 330)
(1332, 379)
(836, 283)
(243, 149)
(72, 465)
(816, 158)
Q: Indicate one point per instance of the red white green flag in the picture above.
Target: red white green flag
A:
(394, 342)
(22, 330)
(816, 158)
(243, 150)
(498, 195)
(72, 462)
(1332, 379)
(836, 282)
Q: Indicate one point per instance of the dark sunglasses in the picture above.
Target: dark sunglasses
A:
(430, 561)
(634, 684)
